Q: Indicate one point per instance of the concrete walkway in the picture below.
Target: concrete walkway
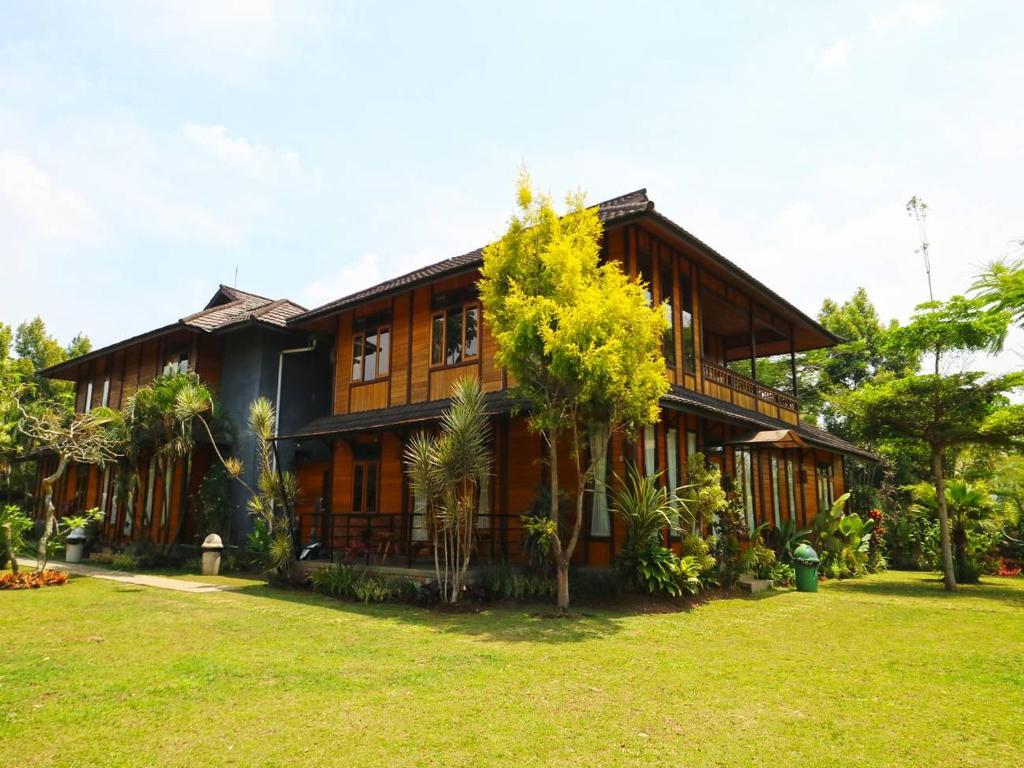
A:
(126, 577)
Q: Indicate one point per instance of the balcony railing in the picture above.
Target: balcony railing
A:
(747, 393)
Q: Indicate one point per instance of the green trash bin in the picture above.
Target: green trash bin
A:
(806, 561)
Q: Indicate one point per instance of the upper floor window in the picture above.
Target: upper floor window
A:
(88, 397)
(645, 276)
(371, 354)
(455, 334)
(686, 315)
(669, 337)
(175, 363)
(105, 400)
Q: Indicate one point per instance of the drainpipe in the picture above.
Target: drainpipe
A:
(280, 377)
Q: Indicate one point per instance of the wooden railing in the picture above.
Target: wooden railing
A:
(393, 538)
(726, 385)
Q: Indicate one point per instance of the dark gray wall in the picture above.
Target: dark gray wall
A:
(248, 371)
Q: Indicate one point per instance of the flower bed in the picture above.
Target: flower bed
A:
(33, 580)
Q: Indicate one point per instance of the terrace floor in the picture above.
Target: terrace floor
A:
(886, 670)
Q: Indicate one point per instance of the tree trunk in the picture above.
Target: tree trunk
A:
(9, 549)
(561, 562)
(51, 511)
(948, 575)
(563, 585)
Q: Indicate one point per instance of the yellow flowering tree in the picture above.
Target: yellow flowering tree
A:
(578, 338)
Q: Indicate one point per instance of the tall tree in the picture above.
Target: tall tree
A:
(85, 438)
(579, 340)
(1001, 286)
(938, 409)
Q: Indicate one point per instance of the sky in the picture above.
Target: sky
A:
(149, 150)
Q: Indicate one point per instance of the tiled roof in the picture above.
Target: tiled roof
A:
(686, 400)
(344, 423)
(501, 402)
(229, 308)
(610, 210)
(246, 308)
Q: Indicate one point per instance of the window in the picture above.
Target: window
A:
(365, 477)
(455, 335)
(791, 487)
(176, 363)
(88, 398)
(650, 450)
(689, 354)
(105, 400)
(745, 482)
(600, 519)
(776, 503)
(691, 444)
(826, 490)
(371, 354)
(672, 466)
(669, 338)
(644, 275)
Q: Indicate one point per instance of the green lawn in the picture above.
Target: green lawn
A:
(886, 670)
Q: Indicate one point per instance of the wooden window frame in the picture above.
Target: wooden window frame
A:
(465, 359)
(364, 465)
(360, 336)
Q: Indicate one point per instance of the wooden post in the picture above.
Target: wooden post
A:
(753, 345)
(792, 360)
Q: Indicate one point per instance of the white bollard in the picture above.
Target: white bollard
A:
(212, 547)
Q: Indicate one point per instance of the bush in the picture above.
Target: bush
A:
(758, 560)
(644, 562)
(502, 582)
(33, 580)
(783, 575)
(344, 582)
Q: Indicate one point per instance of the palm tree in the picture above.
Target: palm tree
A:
(970, 507)
(447, 471)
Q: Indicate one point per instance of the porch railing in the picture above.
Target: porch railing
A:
(402, 538)
(734, 382)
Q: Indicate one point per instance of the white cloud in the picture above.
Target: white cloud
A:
(912, 15)
(230, 38)
(365, 271)
(255, 160)
(835, 55)
(39, 207)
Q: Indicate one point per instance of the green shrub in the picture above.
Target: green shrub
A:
(757, 559)
(783, 575)
(124, 561)
(345, 582)
(503, 582)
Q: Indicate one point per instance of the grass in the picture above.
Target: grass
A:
(887, 670)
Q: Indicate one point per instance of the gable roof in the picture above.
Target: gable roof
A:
(631, 205)
(620, 207)
(227, 309)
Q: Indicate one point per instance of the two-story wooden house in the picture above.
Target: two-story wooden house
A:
(240, 346)
(401, 344)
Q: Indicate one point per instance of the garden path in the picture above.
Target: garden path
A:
(126, 577)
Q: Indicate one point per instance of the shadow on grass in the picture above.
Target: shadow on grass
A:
(929, 585)
(504, 621)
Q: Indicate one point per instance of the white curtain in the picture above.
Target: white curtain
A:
(600, 520)
(650, 450)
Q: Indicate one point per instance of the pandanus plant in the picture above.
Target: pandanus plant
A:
(447, 471)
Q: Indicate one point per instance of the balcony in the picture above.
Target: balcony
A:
(723, 384)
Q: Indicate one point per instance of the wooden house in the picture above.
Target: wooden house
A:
(241, 347)
(399, 346)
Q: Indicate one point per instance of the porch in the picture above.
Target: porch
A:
(401, 540)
